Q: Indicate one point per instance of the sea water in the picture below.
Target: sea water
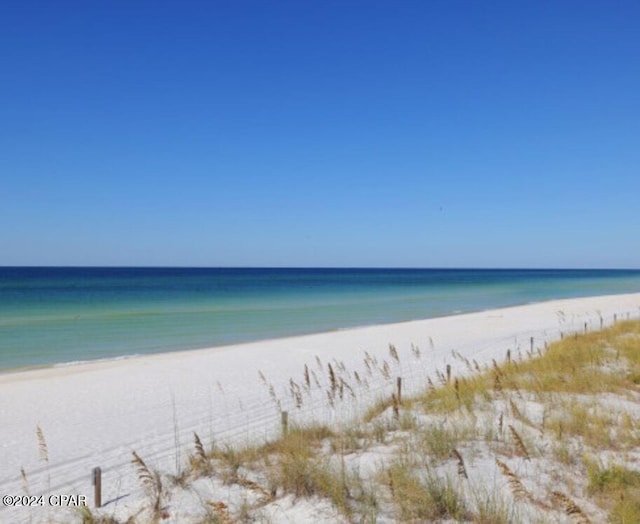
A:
(59, 315)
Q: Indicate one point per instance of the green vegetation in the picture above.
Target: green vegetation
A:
(529, 439)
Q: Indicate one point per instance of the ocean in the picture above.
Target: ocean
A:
(59, 315)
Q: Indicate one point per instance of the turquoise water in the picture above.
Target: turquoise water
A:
(57, 315)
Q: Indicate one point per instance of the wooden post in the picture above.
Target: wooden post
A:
(585, 327)
(531, 341)
(601, 322)
(285, 423)
(561, 335)
(615, 318)
(508, 356)
(448, 372)
(399, 387)
(97, 487)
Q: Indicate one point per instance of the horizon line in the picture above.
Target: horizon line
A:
(448, 268)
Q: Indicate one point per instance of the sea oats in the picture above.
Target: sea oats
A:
(517, 488)
(570, 508)
(522, 449)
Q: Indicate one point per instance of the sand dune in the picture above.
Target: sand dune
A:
(96, 414)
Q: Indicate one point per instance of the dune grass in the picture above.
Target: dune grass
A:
(546, 437)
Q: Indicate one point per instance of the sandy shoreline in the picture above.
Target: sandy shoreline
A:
(96, 413)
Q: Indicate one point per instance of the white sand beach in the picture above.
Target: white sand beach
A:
(96, 414)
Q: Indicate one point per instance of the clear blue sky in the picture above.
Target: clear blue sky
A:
(320, 133)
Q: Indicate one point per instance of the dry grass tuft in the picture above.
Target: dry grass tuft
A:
(25, 482)
(254, 486)
(200, 454)
(200, 462)
(307, 379)
(332, 379)
(497, 383)
(144, 473)
(414, 480)
(221, 513)
(514, 409)
(42, 445)
(520, 447)
(570, 508)
(517, 488)
(419, 499)
(394, 353)
(151, 483)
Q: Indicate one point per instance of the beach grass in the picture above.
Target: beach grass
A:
(547, 436)
(542, 435)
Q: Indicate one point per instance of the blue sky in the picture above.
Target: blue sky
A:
(320, 133)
